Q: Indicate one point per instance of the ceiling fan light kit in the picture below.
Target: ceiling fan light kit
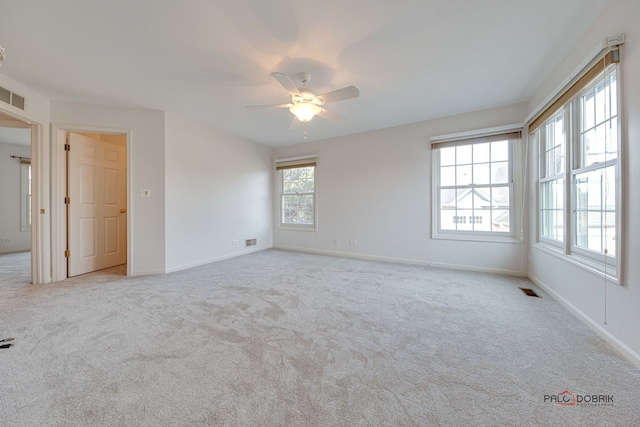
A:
(305, 111)
(305, 104)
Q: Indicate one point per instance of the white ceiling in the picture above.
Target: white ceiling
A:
(206, 59)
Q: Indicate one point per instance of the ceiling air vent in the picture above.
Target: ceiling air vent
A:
(12, 98)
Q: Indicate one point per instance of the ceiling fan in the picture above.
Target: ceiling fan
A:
(305, 104)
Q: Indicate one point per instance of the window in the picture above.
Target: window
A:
(473, 180)
(552, 172)
(579, 190)
(297, 195)
(25, 195)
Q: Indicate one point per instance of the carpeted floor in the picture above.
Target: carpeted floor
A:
(281, 338)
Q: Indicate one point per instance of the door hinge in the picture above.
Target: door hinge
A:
(67, 254)
(67, 147)
(67, 200)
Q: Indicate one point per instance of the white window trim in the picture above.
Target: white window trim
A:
(278, 192)
(515, 157)
(25, 220)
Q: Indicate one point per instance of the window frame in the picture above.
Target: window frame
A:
(293, 163)
(515, 177)
(603, 264)
(543, 179)
(25, 195)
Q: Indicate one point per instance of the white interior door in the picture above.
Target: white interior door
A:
(97, 225)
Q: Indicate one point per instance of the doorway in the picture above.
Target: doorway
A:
(95, 201)
(15, 193)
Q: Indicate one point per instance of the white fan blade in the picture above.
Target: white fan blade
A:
(256, 107)
(286, 83)
(339, 95)
(332, 117)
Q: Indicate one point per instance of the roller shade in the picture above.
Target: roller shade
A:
(611, 58)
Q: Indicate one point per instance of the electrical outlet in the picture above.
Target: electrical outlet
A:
(336, 241)
(353, 242)
(145, 193)
(5, 240)
(234, 242)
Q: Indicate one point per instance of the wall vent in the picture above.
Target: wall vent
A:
(5, 95)
(17, 101)
(251, 242)
(12, 98)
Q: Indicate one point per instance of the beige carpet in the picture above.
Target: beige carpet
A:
(288, 339)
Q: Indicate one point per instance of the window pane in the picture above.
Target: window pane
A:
(596, 210)
(589, 112)
(464, 219)
(481, 153)
(610, 233)
(463, 175)
(463, 154)
(552, 209)
(297, 209)
(598, 123)
(500, 220)
(499, 151)
(448, 176)
(447, 209)
(298, 180)
(500, 172)
(500, 197)
(447, 156)
(481, 173)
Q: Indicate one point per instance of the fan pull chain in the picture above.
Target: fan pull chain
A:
(305, 131)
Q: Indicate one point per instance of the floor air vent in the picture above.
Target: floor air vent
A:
(11, 98)
(251, 242)
(529, 292)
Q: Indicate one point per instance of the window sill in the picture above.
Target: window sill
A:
(588, 264)
(297, 227)
(476, 238)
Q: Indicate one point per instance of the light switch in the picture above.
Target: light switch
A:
(145, 193)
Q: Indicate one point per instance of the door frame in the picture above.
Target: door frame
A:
(40, 211)
(58, 192)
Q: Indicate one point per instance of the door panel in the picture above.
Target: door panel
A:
(96, 212)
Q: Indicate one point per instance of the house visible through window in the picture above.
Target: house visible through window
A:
(474, 185)
(296, 188)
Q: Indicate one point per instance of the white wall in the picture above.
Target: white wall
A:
(375, 187)
(10, 214)
(579, 289)
(218, 189)
(146, 162)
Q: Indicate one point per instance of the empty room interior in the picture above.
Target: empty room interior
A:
(341, 213)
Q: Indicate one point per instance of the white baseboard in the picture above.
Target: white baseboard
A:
(144, 273)
(14, 251)
(210, 260)
(402, 260)
(479, 269)
(618, 345)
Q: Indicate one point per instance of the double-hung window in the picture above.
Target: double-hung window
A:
(25, 195)
(474, 186)
(297, 193)
(579, 170)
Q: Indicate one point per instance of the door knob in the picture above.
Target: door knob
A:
(123, 211)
